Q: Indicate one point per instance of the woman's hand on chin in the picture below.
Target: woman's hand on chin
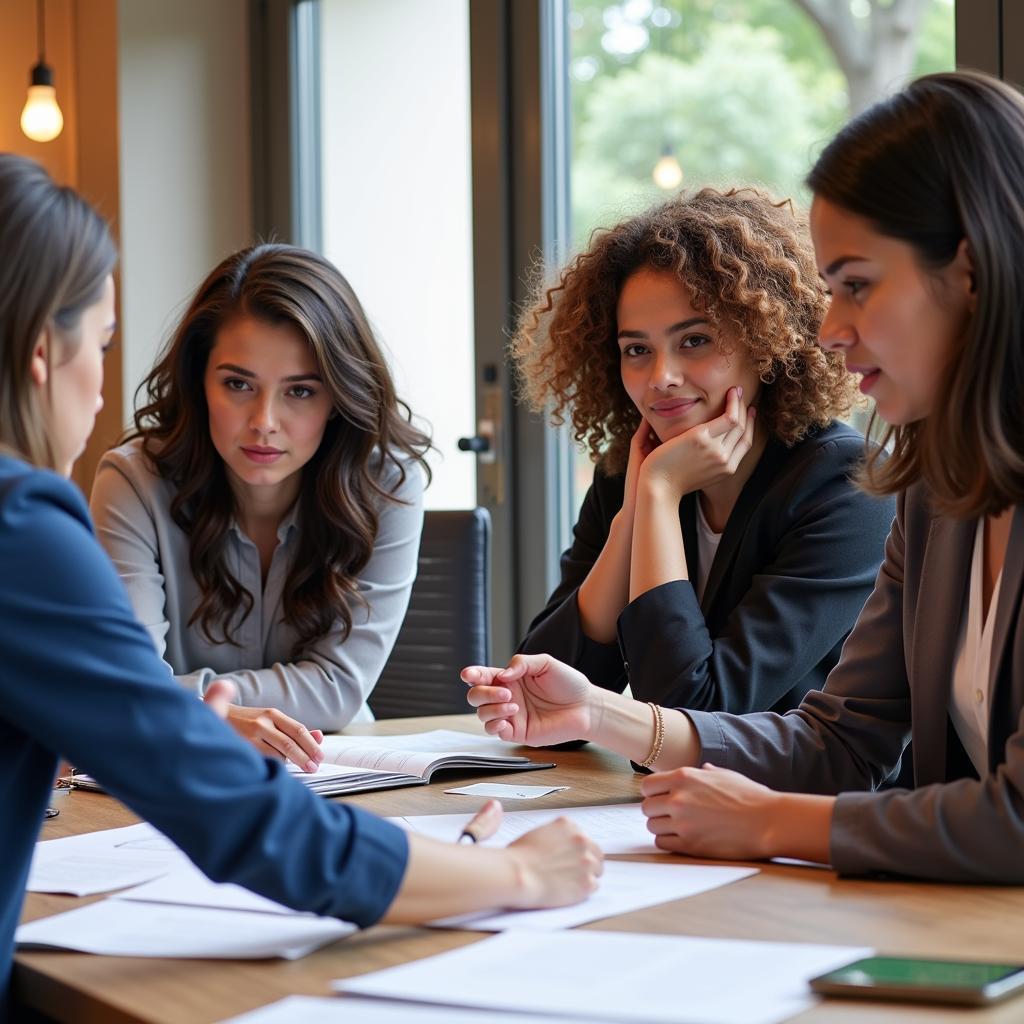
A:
(703, 455)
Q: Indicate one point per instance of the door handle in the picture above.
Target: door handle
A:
(477, 443)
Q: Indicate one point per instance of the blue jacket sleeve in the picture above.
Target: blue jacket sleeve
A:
(81, 678)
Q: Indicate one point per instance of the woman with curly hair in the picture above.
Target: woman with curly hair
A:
(722, 553)
(265, 515)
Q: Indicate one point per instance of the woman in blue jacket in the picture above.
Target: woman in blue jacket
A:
(81, 678)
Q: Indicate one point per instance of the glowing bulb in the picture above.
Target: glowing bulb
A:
(667, 172)
(41, 118)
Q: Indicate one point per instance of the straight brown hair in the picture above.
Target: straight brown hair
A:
(940, 162)
(56, 254)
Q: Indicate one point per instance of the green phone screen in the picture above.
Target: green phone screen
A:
(882, 970)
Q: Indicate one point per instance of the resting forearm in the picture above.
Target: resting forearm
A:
(658, 555)
(627, 726)
(800, 827)
(442, 880)
(605, 591)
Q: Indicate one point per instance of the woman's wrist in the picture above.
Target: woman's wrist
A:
(621, 526)
(595, 702)
(524, 884)
(620, 723)
(798, 825)
(655, 485)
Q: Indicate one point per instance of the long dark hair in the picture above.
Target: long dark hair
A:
(940, 162)
(340, 488)
(57, 252)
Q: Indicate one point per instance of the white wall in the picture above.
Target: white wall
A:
(398, 202)
(185, 160)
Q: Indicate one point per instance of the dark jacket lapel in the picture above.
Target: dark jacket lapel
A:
(1001, 724)
(688, 524)
(941, 601)
(773, 458)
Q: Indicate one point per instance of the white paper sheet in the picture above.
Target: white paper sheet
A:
(187, 886)
(505, 792)
(349, 1010)
(101, 861)
(616, 828)
(659, 979)
(625, 886)
(126, 928)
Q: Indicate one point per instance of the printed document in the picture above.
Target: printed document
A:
(625, 886)
(126, 928)
(318, 1010)
(101, 861)
(656, 979)
(616, 828)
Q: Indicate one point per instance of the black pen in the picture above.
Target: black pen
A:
(483, 824)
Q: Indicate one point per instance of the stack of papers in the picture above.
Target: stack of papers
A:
(179, 913)
(360, 764)
(100, 861)
(616, 976)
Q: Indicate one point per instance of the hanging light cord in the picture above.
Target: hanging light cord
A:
(41, 17)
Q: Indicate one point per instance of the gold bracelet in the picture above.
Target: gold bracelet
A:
(659, 737)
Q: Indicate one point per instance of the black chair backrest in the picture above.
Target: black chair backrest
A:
(447, 625)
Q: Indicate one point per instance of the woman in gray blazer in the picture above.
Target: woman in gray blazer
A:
(722, 553)
(265, 515)
(919, 232)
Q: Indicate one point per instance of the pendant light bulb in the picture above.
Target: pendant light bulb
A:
(41, 118)
(667, 172)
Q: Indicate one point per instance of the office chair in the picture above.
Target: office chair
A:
(447, 625)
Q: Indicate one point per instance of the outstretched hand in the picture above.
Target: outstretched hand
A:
(536, 700)
(270, 731)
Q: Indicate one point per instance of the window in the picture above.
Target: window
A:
(669, 94)
(397, 202)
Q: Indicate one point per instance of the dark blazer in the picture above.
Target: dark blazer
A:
(894, 682)
(796, 562)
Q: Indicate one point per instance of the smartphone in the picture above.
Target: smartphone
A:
(956, 982)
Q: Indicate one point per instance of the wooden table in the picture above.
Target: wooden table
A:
(798, 904)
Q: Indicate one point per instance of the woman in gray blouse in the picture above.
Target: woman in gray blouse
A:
(265, 514)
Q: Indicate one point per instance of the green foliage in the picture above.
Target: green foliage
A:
(746, 90)
(732, 122)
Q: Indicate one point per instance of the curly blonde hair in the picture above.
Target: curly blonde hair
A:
(749, 264)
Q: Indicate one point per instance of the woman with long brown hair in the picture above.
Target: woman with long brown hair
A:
(265, 514)
(80, 677)
(722, 553)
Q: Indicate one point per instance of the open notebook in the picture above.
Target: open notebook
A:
(358, 764)
(355, 764)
